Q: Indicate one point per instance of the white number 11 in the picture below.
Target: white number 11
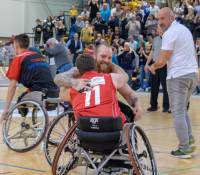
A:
(96, 90)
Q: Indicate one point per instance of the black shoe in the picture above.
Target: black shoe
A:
(151, 109)
(169, 111)
(165, 110)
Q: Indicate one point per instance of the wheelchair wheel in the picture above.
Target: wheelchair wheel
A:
(64, 159)
(56, 132)
(142, 151)
(21, 132)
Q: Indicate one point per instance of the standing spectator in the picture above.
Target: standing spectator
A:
(117, 10)
(73, 12)
(61, 17)
(86, 33)
(133, 27)
(48, 29)
(182, 76)
(127, 61)
(75, 46)
(159, 77)
(124, 31)
(98, 23)
(150, 24)
(60, 30)
(105, 12)
(94, 8)
(113, 22)
(38, 32)
(198, 50)
(154, 9)
(144, 52)
(59, 53)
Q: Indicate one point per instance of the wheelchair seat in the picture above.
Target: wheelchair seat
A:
(50, 97)
(99, 134)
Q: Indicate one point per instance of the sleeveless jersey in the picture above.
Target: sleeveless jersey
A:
(101, 100)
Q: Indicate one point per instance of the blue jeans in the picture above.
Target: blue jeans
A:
(64, 68)
(143, 75)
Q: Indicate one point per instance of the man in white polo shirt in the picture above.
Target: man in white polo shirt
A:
(178, 52)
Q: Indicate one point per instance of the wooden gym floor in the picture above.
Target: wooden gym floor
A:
(158, 127)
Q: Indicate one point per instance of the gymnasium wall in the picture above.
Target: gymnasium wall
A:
(18, 16)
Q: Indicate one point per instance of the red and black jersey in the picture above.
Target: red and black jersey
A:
(101, 100)
(30, 69)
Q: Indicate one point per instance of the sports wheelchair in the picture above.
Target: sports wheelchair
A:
(105, 146)
(27, 121)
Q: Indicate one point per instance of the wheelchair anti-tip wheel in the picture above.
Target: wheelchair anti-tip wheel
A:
(25, 126)
(141, 151)
(64, 159)
(56, 132)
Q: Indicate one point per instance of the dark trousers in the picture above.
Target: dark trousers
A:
(156, 80)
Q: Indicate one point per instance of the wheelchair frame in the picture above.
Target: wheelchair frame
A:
(131, 157)
(32, 126)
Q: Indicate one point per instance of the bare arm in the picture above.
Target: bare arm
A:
(119, 80)
(67, 79)
(161, 61)
(10, 94)
(132, 99)
(64, 94)
(117, 69)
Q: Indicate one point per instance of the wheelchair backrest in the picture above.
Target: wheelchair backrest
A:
(100, 124)
(99, 134)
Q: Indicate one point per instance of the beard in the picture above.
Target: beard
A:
(104, 68)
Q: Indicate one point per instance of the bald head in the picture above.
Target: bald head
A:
(165, 18)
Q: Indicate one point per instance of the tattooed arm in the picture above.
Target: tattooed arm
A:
(70, 79)
(67, 79)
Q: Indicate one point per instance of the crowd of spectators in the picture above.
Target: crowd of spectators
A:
(128, 26)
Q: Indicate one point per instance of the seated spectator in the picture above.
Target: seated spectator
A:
(127, 61)
(85, 14)
(75, 46)
(99, 39)
(133, 43)
(80, 24)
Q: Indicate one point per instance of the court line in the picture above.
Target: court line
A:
(180, 170)
(21, 167)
